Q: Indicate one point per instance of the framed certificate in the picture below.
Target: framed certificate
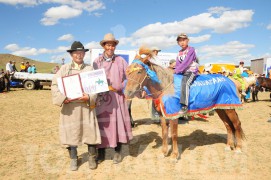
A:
(72, 86)
(89, 82)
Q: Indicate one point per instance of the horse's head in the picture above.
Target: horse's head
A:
(136, 79)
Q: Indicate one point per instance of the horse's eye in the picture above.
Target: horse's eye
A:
(138, 72)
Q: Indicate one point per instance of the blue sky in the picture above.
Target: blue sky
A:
(220, 30)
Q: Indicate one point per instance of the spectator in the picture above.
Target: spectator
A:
(14, 66)
(56, 69)
(237, 74)
(33, 69)
(207, 68)
(29, 69)
(9, 68)
(23, 67)
(245, 74)
(155, 59)
(112, 113)
(27, 65)
(78, 123)
(172, 65)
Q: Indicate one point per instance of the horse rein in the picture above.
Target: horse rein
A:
(140, 83)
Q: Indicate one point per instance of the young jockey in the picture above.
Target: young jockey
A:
(186, 64)
(237, 75)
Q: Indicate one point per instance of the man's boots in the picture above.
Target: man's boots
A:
(92, 157)
(74, 158)
(117, 156)
(101, 155)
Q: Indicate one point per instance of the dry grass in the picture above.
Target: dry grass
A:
(30, 145)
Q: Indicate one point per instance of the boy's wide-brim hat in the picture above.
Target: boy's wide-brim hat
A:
(108, 38)
(77, 46)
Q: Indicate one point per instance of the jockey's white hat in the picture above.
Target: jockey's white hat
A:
(208, 67)
(245, 69)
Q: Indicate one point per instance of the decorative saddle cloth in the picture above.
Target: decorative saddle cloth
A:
(208, 92)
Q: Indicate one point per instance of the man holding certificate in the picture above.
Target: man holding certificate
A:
(78, 123)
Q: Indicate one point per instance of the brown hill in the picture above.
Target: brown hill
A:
(42, 67)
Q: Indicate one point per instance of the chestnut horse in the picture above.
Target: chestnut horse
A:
(263, 82)
(137, 78)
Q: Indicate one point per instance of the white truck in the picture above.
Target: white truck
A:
(32, 81)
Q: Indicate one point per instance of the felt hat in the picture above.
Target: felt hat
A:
(77, 46)
(108, 38)
(156, 49)
(172, 61)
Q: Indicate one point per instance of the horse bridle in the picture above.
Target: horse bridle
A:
(140, 89)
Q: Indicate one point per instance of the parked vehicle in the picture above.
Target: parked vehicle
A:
(31, 81)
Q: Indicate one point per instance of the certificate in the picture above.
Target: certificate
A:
(71, 86)
(90, 82)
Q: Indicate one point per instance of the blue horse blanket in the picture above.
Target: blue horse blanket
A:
(208, 92)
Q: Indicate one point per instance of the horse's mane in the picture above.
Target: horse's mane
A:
(164, 75)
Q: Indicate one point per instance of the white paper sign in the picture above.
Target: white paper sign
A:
(94, 81)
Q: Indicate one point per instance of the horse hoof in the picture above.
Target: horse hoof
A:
(174, 160)
(238, 151)
(227, 148)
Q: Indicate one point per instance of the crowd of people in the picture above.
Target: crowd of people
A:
(6, 75)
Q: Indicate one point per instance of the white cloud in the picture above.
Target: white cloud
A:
(53, 14)
(218, 10)
(269, 27)
(97, 14)
(12, 47)
(164, 35)
(20, 2)
(66, 37)
(228, 21)
(67, 9)
(93, 45)
(88, 5)
(233, 51)
(30, 51)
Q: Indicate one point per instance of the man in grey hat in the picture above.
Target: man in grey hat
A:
(78, 122)
(14, 66)
(155, 59)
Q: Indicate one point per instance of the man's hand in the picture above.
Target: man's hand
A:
(111, 89)
(66, 101)
(85, 97)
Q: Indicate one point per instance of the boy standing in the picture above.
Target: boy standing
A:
(186, 64)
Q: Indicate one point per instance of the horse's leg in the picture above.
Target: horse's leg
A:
(174, 134)
(239, 134)
(164, 126)
(229, 126)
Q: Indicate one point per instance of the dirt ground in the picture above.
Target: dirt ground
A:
(30, 144)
